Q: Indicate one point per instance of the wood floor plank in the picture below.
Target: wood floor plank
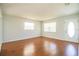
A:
(39, 46)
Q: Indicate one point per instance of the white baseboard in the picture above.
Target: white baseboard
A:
(39, 36)
(76, 41)
(21, 39)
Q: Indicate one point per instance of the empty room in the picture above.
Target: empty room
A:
(39, 29)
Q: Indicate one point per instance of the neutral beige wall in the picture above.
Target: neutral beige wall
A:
(61, 30)
(14, 28)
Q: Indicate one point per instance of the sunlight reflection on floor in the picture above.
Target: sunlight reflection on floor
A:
(50, 47)
(28, 50)
(70, 50)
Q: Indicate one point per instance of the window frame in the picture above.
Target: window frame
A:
(48, 27)
(29, 26)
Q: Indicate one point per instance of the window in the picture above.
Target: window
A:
(50, 27)
(28, 26)
(71, 29)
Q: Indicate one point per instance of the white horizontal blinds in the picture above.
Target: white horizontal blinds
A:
(28, 26)
(50, 27)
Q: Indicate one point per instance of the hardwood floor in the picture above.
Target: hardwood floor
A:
(39, 46)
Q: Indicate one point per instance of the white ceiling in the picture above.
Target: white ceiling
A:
(40, 11)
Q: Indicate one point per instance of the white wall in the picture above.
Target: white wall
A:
(61, 30)
(0, 28)
(14, 28)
